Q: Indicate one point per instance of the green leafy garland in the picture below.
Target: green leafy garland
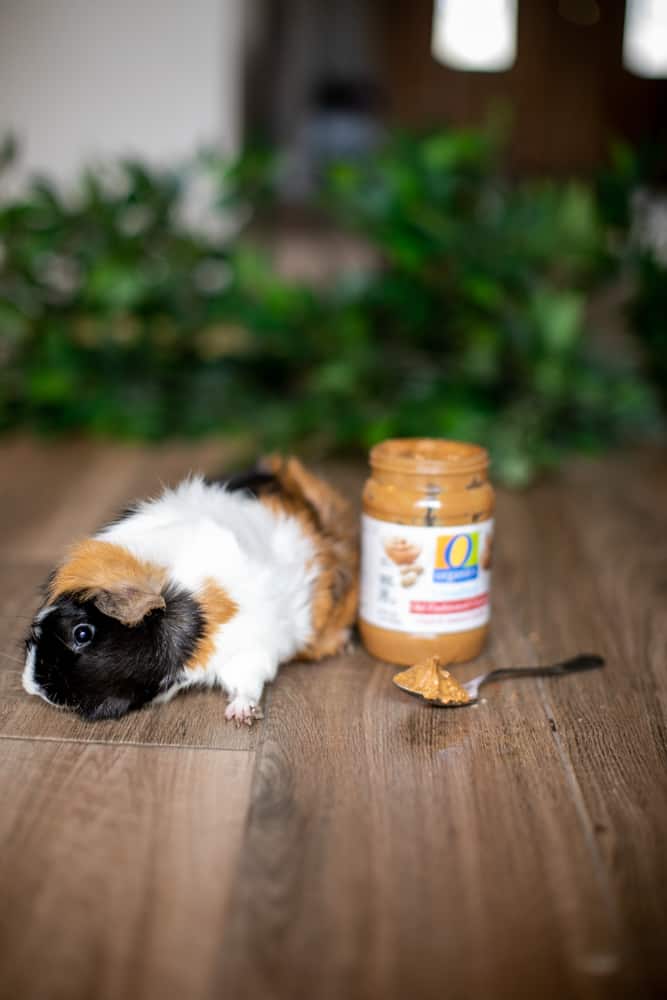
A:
(116, 318)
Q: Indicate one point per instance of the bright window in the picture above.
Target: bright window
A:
(475, 34)
(645, 37)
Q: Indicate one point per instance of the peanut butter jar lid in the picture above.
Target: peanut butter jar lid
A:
(428, 456)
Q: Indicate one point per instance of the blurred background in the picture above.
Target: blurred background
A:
(320, 224)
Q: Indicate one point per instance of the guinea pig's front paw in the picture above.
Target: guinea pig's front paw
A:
(243, 710)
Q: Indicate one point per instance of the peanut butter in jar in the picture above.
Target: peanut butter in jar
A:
(426, 547)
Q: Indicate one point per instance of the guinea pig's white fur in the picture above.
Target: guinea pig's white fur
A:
(271, 563)
(262, 559)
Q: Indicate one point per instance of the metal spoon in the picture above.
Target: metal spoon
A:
(585, 661)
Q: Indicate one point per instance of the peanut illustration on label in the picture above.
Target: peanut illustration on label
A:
(410, 575)
(401, 552)
(404, 555)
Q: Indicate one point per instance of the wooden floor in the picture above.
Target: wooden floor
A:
(355, 844)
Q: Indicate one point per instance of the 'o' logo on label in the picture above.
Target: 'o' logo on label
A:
(457, 551)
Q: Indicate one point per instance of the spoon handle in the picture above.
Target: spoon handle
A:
(584, 661)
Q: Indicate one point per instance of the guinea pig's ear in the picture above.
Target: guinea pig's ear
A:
(121, 585)
(128, 604)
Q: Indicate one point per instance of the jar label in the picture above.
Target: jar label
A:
(425, 580)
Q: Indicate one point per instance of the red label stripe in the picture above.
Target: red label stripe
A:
(448, 607)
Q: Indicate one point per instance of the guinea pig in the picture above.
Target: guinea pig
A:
(211, 584)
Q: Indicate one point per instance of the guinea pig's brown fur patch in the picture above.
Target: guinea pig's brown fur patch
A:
(328, 521)
(217, 608)
(121, 585)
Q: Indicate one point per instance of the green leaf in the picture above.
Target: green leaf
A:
(557, 316)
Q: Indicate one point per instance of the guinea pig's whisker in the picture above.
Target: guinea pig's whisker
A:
(8, 656)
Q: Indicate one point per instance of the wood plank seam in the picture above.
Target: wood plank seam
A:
(123, 743)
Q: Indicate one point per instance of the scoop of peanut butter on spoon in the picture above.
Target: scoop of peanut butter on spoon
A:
(432, 682)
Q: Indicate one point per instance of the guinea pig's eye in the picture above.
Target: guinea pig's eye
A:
(83, 633)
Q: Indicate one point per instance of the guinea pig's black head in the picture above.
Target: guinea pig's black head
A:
(103, 652)
(79, 658)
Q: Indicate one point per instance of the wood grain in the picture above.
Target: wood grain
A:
(397, 849)
(613, 731)
(115, 864)
(497, 851)
(370, 846)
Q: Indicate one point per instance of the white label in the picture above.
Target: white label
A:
(425, 580)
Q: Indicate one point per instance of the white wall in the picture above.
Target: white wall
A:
(84, 79)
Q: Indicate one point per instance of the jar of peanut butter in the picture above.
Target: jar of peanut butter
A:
(426, 547)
